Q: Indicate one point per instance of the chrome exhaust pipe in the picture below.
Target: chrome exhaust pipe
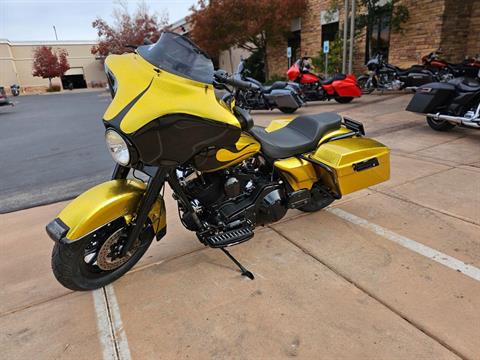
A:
(468, 122)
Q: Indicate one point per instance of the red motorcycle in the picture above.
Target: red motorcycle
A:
(469, 67)
(343, 88)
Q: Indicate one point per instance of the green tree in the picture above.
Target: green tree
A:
(334, 58)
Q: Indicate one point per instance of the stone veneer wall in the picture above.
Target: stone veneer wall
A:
(420, 35)
(453, 25)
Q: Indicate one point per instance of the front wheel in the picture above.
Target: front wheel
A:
(95, 261)
(343, 99)
(439, 125)
(365, 84)
(287, 110)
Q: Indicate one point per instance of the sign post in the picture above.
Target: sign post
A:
(326, 50)
(289, 56)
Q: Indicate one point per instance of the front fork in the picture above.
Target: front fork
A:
(158, 176)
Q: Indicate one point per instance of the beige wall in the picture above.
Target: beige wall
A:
(229, 60)
(16, 60)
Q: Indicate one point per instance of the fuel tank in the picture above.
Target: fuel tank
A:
(217, 158)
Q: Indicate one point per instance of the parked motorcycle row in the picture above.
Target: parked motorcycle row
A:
(383, 76)
(288, 96)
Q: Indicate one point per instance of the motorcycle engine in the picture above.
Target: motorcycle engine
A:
(232, 197)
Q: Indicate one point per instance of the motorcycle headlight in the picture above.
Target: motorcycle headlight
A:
(118, 147)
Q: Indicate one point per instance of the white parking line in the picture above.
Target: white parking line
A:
(109, 323)
(435, 255)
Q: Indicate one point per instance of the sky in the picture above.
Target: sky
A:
(24, 20)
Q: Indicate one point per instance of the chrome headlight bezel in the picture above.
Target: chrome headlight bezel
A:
(118, 147)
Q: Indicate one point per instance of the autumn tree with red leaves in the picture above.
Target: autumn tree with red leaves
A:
(49, 64)
(253, 25)
(127, 29)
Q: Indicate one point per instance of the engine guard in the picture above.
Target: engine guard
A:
(100, 205)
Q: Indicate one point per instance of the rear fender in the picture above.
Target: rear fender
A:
(101, 205)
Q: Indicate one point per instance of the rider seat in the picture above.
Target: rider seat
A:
(299, 136)
(275, 86)
(466, 84)
(333, 78)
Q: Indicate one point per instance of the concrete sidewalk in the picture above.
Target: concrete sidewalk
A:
(329, 285)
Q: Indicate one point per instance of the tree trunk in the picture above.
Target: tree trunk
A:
(266, 70)
(231, 60)
(49, 83)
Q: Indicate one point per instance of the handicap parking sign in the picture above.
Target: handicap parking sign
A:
(326, 47)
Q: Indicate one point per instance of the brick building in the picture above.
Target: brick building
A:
(452, 25)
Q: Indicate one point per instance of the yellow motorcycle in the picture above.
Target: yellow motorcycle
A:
(227, 175)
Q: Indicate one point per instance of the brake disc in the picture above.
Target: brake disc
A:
(108, 256)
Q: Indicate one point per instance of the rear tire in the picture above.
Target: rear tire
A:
(287, 110)
(439, 125)
(72, 271)
(343, 99)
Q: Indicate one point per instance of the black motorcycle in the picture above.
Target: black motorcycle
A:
(15, 89)
(456, 102)
(282, 95)
(387, 77)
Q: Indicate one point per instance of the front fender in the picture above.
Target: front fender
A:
(100, 205)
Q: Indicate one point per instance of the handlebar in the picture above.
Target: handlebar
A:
(222, 77)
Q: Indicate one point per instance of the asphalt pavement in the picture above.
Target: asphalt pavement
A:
(52, 148)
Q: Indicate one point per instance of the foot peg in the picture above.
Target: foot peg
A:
(229, 238)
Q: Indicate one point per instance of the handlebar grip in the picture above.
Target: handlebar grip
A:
(222, 77)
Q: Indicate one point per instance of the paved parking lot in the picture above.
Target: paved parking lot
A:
(391, 272)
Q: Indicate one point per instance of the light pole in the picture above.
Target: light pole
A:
(345, 36)
(55, 30)
(352, 36)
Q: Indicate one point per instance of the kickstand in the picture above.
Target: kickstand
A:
(245, 272)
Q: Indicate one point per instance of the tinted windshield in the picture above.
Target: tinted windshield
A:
(176, 54)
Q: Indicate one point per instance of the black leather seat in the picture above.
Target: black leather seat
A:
(334, 78)
(275, 86)
(301, 135)
(466, 84)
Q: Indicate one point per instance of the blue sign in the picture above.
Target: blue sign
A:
(289, 52)
(326, 47)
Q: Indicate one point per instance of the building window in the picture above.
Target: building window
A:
(379, 39)
(293, 41)
(329, 32)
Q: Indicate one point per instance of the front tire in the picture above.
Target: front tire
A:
(366, 85)
(343, 99)
(439, 125)
(287, 110)
(72, 270)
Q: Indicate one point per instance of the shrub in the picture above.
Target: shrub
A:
(275, 77)
(334, 58)
(54, 88)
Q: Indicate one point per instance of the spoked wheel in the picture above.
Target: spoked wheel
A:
(96, 260)
(343, 99)
(366, 85)
(439, 125)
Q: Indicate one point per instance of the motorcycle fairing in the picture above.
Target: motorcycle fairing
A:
(101, 205)
(145, 93)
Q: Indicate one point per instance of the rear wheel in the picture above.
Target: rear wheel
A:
(343, 99)
(439, 125)
(287, 110)
(95, 261)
